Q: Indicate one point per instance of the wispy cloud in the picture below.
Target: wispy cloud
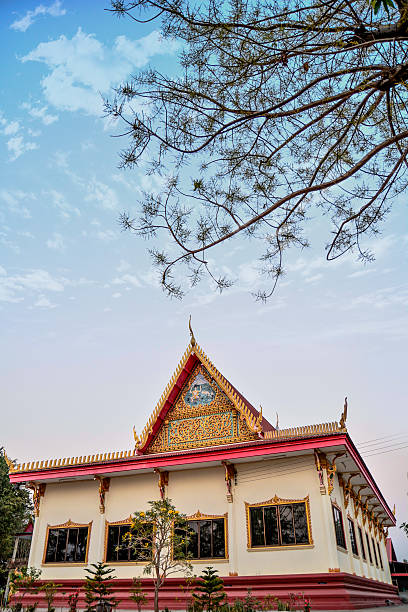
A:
(127, 279)
(56, 242)
(82, 68)
(59, 201)
(54, 10)
(15, 287)
(17, 144)
(101, 193)
(44, 302)
(16, 200)
(39, 112)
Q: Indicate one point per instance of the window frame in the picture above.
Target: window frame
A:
(67, 525)
(362, 547)
(370, 555)
(198, 516)
(339, 510)
(126, 521)
(352, 535)
(278, 501)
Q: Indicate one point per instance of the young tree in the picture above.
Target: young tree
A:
(98, 589)
(210, 589)
(279, 111)
(15, 512)
(158, 537)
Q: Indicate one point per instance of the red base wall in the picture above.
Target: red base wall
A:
(334, 591)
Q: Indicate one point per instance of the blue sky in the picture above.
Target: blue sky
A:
(88, 338)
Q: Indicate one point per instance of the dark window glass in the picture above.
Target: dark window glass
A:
(52, 545)
(286, 524)
(352, 536)
(338, 527)
(61, 545)
(300, 522)
(375, 552)
(362, 547)
(205, 539)
(67, 545)
(280, 525)
(71, 545)
(369, 548)
(379, 555)
(192, 540)
(113, 542)
(218, 538)
(271, 525)
(81, 545)
(118, 550)
(257, 527)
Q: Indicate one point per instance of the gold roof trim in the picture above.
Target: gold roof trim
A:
(304, 431)
(48, 464)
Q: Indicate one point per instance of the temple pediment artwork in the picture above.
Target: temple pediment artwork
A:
(202, 415)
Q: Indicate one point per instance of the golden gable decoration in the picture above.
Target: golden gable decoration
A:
(202, 416)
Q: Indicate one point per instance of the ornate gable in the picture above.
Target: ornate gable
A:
(202, 416)
(199, 408)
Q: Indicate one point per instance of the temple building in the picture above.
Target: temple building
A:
(274, 510)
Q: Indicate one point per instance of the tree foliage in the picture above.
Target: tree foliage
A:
(98, 588)
(209, 593)
(278, 112)
(15, 512)
(158, 536)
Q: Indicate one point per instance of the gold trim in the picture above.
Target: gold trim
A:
(279, 501)
(199, 516)
(67, 525)
(290, 547)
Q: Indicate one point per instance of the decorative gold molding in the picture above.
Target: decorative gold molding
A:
(334, 570)
(50, 464)
(163, 481)
(104, 484)
(38, 490)
(279, 501)
(67, 525)
(230, 473)
(320, 458)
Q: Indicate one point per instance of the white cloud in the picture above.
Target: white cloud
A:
(103, 194)
(54, 10)
(106, 235)
(14, 287)
(56, 242)
(59, 201)
(123, 266)
(116, 295)
(44, 302)
(17, 146)
(11, 128)
(40, 112)
(82, 68)
(127, 279)
(16, 199)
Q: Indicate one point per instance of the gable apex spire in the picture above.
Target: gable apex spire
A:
(192, 340)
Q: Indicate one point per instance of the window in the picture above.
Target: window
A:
(363, 552)
(375, 552)
(352, 533)
(278, 525)
(379, 556)
(206, 539)
(368, 548)
(338, 527)
(67, 545)
(117, 551)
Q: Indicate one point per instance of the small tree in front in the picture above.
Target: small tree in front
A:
(159, 537)
(98, 589)
(209, 593)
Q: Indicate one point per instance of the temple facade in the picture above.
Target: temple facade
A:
(275, 510)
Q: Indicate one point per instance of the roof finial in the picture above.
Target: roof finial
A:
(192, 341)
(277, 421)
(343, 417)
(9, 462)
